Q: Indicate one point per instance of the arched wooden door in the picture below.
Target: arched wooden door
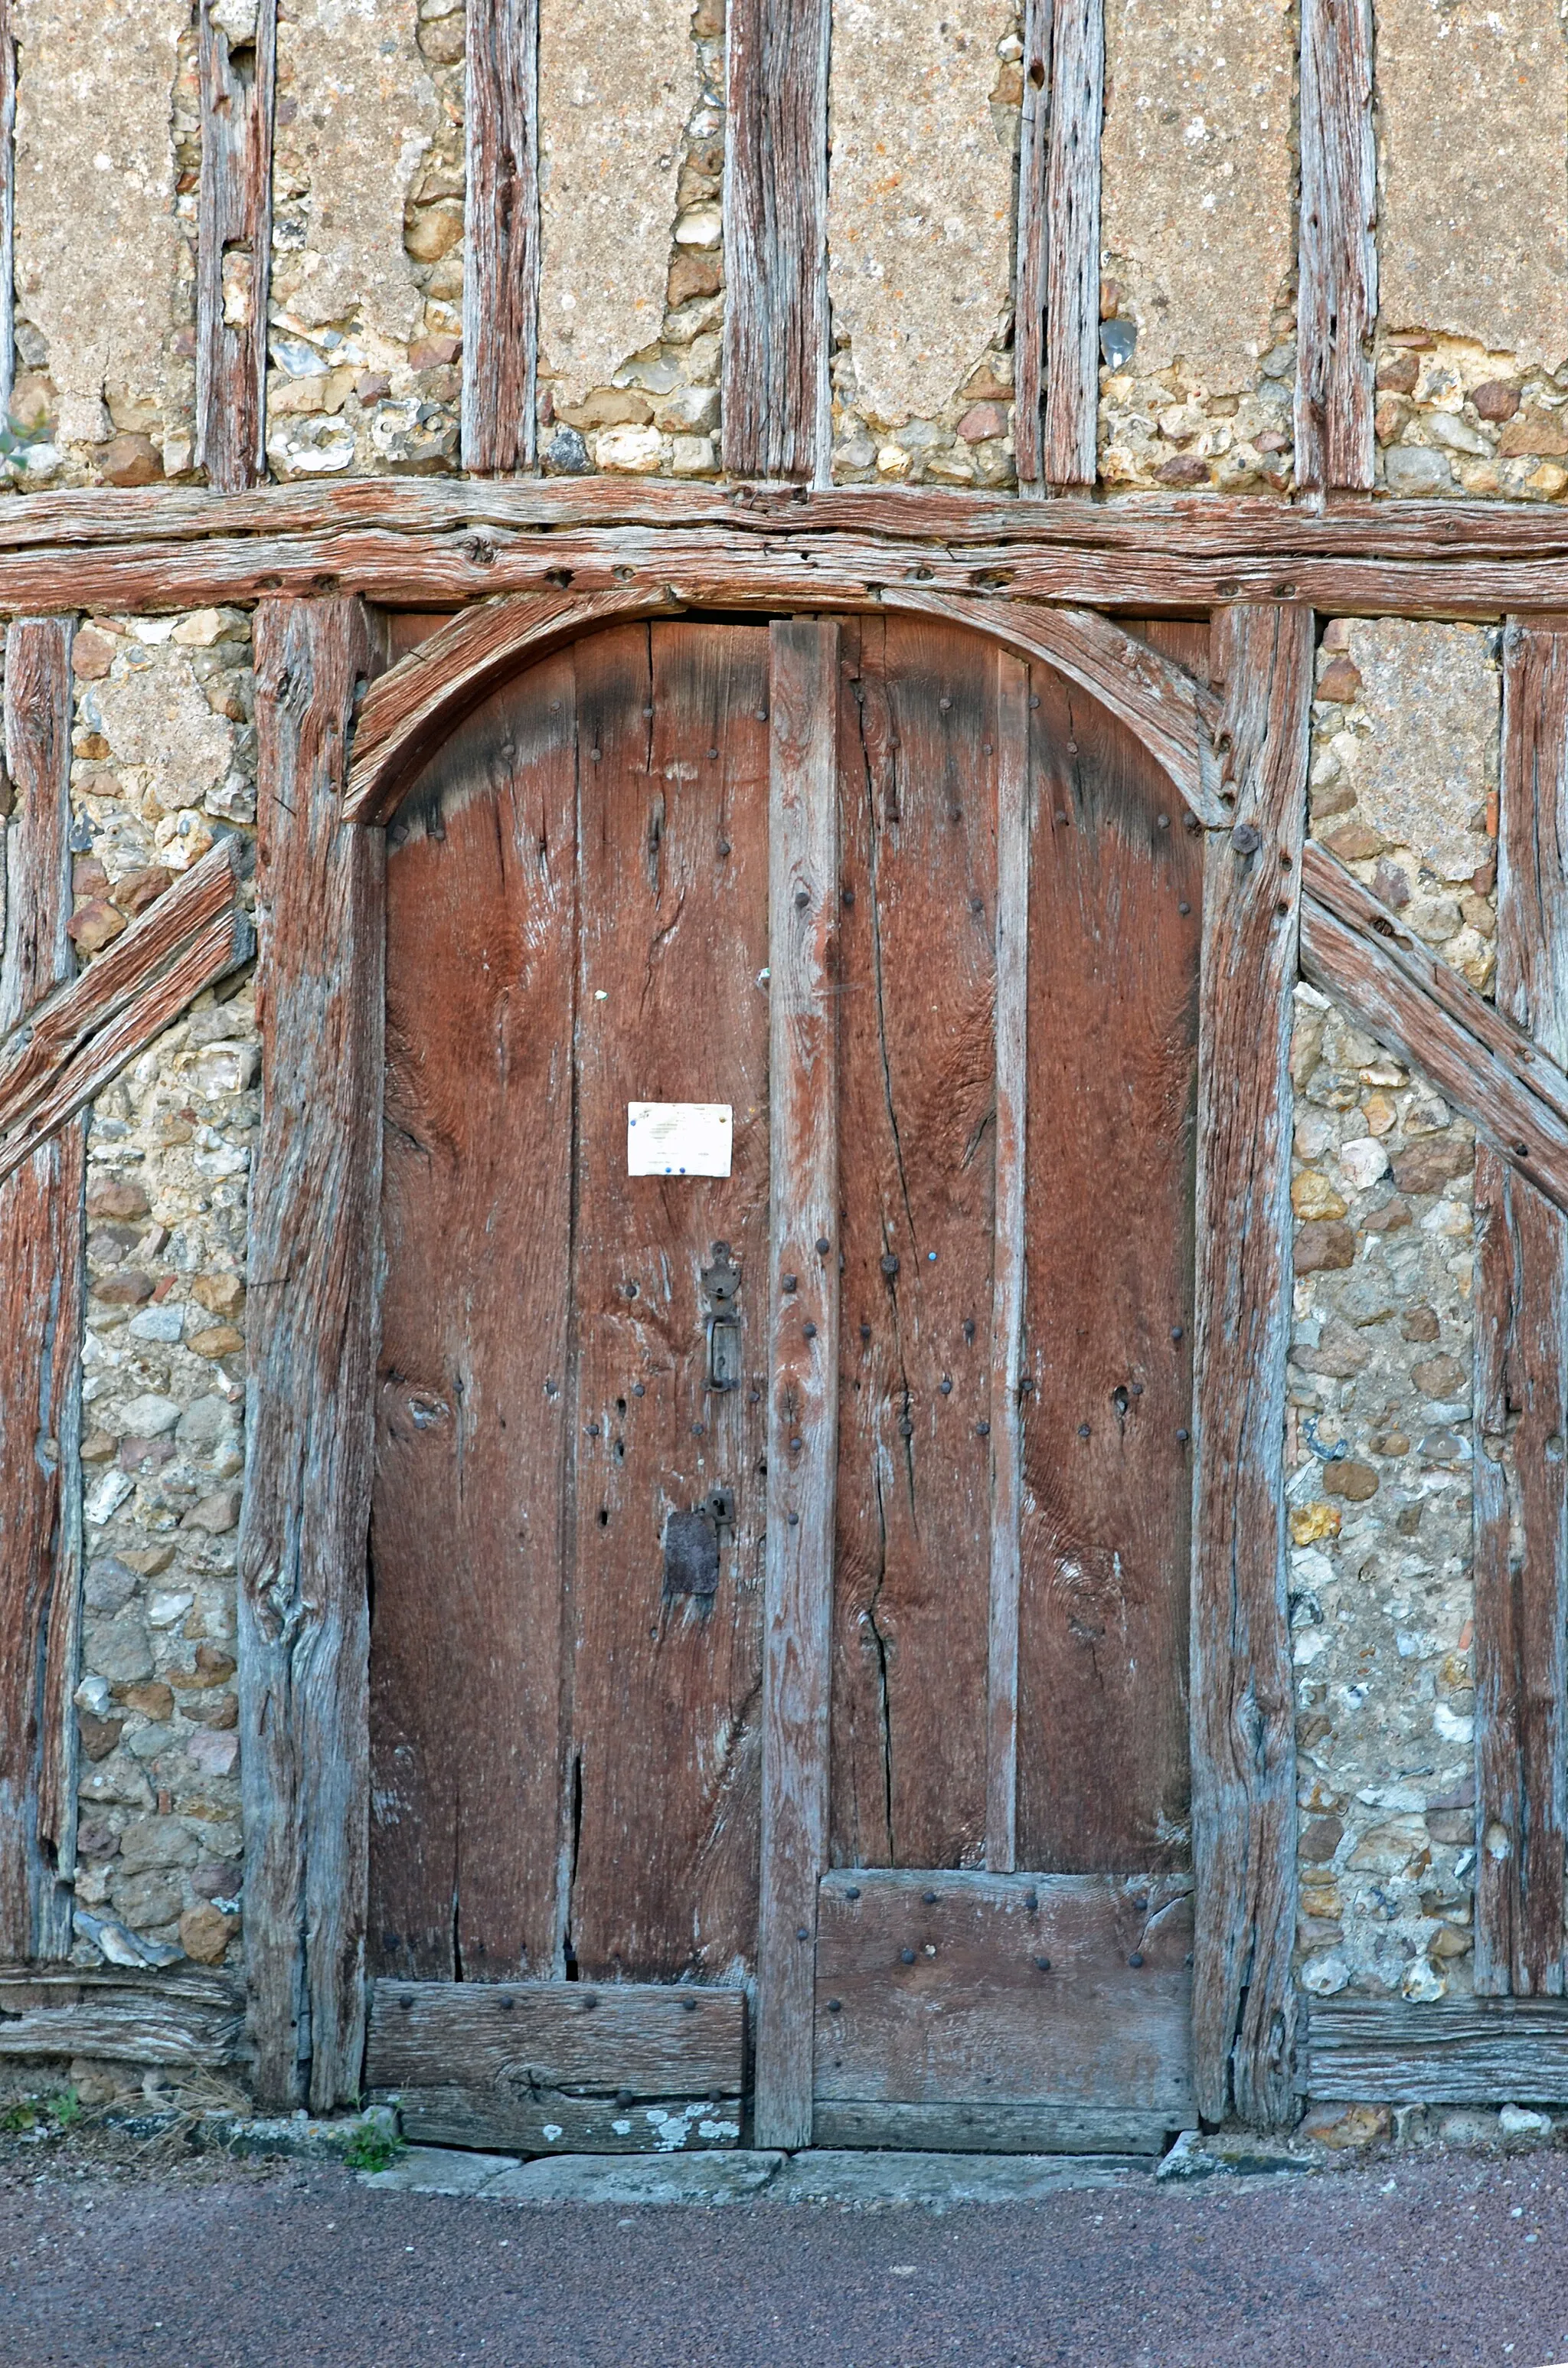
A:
(780, 1564)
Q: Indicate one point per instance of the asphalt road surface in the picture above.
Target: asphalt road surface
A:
(1417, 2259)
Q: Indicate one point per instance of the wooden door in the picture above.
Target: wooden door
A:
(778, 1579)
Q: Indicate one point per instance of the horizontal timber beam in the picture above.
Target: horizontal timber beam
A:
(67, 1049)
(1514, 1097)
(182, 2017)
(1454, 2052)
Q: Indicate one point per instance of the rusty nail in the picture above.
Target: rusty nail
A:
(945, 1385)
(1136, 1958)
(865, 1331)
(1031, 1901)
(802, 1932)
(835, 2006)
(906, 1956)
(1061, 815)
(638, 1390)
(724, 846)
(982, 1430)
(1245, 839)
(930, 1897)
(791, 1282)
(852, 1891)
(405, 2003)
(1183, 1436)
(808, 1331)
(794, 1520)
(906, 1429)
(1162, 821)
(944, 704)
(969, 1328)
(1184, 906)
(624, 2097)
(1176, 1330)
(796, 1445)
(824, 1246)
(802, 898)
(849, 896)
(890, 1263)
(1044, 1964)
(1083, 1431)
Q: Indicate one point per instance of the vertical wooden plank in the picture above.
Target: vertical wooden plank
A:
(1014, 825)
(468, 1525)
(1337, 305)
(1030, 292)
(917, 957)
(234, 248)
(315, 1193)
(663, 1826)
(1244, 1756)
(7, 206)
(42, 1291)
(1521, 1375)
(1114, 933)
(777, 415)
(1057, 342)
(802, 1430)
(501, 219)
(1073, 271)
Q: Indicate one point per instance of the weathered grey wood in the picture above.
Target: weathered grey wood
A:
(1178, 526)
(995, 2129)
(1031, 292)
(931, 1989)
(67, 1051)
(234, 248)
(7, 206)
(1521, 1377)
(1014, 823)
(1243, 1756)
(1431, 1018)
(1336, 307)
(651, 2038)
(1072, 228)
(303, 1636)
(802, 1430)
(501, 222)
(410, 710)
(1456, 2052)
(560, 2067)
(125, 2022)
(42, 1286)
(776, 420)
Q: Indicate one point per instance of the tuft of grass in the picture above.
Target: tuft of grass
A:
(50, 2116)
(372, 2147)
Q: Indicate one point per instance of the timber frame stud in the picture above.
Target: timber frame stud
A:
(527, 567)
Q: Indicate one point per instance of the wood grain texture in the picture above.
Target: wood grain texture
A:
(776, 416)
(803, 1425)
(992, 2129)
(409, 710)
(42, 1289)
(559, 2068)
(716, 566)
(185, 2024)
(316, 1191)
(7, 206)
(925, 518)
(1337, 305)
(1015, 831)
(1456, 2052)
(1032, 294)
(918, 772)
(1428, 1016)
(59, 1060)
(931, 1990)
(501, 221)
(1072, 230)
(661, 1820)
(1243, 1767)
(469, 1517)
(1521, 1378)
(1115, 922)
(233, 247)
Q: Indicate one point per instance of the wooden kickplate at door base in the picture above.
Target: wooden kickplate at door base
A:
(567, 2067)
(1044, 2012)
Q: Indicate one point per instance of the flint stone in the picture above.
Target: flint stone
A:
(120, 1650)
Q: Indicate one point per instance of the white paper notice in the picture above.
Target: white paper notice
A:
(678, 1138)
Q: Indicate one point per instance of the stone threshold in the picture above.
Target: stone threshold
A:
(822, 2176)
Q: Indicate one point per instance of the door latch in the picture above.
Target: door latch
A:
(722, 1282)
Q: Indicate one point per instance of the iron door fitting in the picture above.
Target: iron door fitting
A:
(721, 1284)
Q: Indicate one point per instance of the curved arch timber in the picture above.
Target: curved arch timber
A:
(410, 710)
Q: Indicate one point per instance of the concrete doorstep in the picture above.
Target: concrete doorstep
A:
(820, 2176)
